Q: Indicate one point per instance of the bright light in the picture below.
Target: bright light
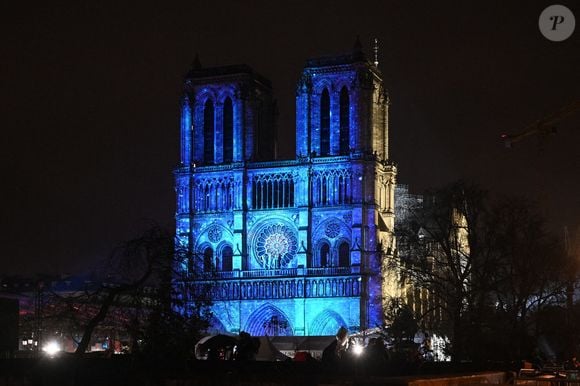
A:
(357, 349)
(51, 348)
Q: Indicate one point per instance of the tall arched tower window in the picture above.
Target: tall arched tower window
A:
(344, 121)
(324, 255)
(325, 123)
(228, 131)
(208, 132)
(227, 257)
(343, 255)
(207, 259)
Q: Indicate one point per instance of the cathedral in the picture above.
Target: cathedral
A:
(288, 247)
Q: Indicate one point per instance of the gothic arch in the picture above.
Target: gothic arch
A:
(209, 129)
(334, 230)
(320, 85)
(344, 121)
(226, 92)
(343, 82)
(331, 186)
(268, 320)
(206, 256)
(318, 262)
(325, 113)
(326, 323)
(214, 233)
(343, 253)
(228, 129)
(204, 95)
(224, 255)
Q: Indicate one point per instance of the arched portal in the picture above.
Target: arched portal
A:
(268, 320)
(327, 323)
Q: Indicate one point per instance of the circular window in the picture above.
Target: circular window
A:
(332, 229)
(275, 246)
(214, 234)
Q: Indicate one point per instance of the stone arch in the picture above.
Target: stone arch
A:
(224, 256)
(207, 258)
(268, 320)
(342, 82)
(318, 260)
(325, 118)
(326, 323)
(344, 121)
(227, 129)
(214, 233)
(322, 84)
(209, 123)
(333, 231)
(343, 252)
(226, 92)
(204, 95)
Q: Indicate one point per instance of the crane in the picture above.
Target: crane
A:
(543, 126)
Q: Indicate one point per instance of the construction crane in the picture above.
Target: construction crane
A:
(543, 126)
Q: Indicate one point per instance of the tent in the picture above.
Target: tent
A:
(214, 342)
(268, 352)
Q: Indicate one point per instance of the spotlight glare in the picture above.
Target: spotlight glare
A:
(51, 348)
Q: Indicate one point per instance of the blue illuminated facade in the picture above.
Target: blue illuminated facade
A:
(288, 247)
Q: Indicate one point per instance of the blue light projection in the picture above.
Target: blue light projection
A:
(286, 247)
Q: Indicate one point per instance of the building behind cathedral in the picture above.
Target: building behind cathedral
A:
(288, 247)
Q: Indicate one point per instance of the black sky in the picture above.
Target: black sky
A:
(90, 121)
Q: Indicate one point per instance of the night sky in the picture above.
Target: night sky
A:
(90, 105)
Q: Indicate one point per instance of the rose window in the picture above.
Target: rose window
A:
(275, 246)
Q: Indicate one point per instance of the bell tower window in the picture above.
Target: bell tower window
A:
(344, 121)
(208, 132)
(228, 131)
(325, 123)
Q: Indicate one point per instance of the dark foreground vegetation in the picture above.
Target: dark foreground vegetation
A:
(127, 370)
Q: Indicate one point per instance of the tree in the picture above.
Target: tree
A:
(530, 270)
(135, 292)
(485, 264)
(403, 325)
(439, 245)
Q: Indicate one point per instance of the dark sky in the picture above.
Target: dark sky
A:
(90, 119)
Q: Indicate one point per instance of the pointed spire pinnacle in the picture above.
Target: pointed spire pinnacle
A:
(376, 52)
(357, 44)
(196, 65)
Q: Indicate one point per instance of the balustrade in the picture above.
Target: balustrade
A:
(280, 288)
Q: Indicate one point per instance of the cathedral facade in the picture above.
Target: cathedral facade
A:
(287, 247)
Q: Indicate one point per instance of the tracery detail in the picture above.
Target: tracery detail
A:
(331, 187)
(275, 246)
(215, 194)
(214, 234)
(273, 190)
(332, 229)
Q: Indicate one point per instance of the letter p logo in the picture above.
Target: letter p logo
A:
(557, 20)
(557, 23)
